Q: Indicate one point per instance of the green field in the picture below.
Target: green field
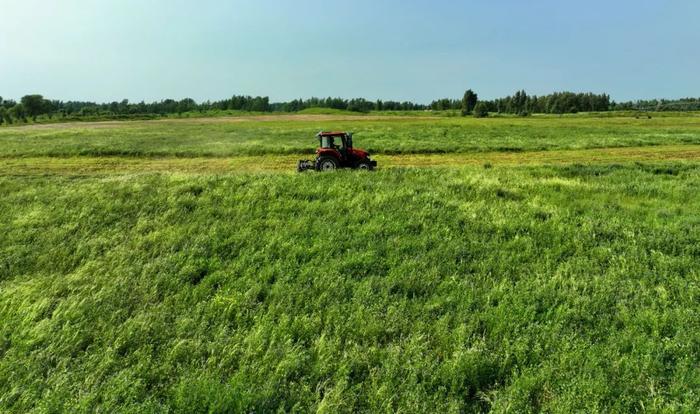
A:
(509, 265)
(262, 135)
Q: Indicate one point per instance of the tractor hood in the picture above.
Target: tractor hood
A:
(360, 153)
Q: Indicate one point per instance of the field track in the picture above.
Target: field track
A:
(286, 163)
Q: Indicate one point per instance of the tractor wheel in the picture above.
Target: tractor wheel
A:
(364, 165)
(326, 164)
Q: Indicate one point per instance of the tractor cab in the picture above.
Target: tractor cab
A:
(338, 144)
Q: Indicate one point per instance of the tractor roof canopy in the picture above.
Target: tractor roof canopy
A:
(333, 134)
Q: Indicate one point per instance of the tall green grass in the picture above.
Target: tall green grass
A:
(444, 290)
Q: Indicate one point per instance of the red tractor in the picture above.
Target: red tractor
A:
(335, 152)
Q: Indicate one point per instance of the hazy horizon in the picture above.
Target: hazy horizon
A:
(114, 50)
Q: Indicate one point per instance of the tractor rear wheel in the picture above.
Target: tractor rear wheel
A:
(326, 164)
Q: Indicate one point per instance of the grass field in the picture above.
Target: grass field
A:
(294, 134)
(508, 265)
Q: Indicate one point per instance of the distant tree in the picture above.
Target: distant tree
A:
(259, 104)
(481, 110)
(186, 105)
(443, 104)
(34, 105)
(50, 107)
(18, 112)
(555, 109)
(469, 102)
(3, 114)
(124, 106)
(359, 105)
(519, 102)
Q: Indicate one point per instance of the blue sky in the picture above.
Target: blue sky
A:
(107, 50)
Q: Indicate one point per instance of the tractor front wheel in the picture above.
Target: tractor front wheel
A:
(326, 164)
(364, 165)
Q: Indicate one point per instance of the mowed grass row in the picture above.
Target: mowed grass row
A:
(225, 137)
(80, 166)
(415, 290)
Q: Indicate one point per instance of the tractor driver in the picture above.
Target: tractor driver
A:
(341, 148)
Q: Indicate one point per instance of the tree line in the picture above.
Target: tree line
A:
(33, 106)
(520, 103)
(354, 105)
(523, 104)
(658, 105)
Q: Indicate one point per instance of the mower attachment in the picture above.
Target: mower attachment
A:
(306, 165)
